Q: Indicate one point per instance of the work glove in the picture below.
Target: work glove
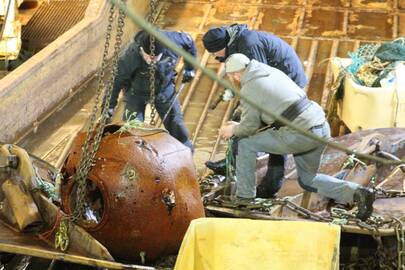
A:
(227, 95)
(110, 113)
(188, 75)
(237, 114)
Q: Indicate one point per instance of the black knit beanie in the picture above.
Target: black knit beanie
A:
(215, 39)
(145, 43)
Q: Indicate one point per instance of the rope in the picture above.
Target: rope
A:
(45, 186)
(133, 123)
(46, 235)
(3, 27)
(140, 21)
(229, 162)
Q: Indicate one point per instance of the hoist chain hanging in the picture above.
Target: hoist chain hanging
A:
(400, 234)
(152, 66)
(152, 81)
(96, 126)
(95, 129)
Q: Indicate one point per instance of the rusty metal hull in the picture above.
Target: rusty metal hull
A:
(149, 192)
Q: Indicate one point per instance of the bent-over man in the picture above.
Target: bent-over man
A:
(270, 88)
(133, 78)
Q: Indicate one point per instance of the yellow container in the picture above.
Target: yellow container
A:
(371, 107)
(244, 244)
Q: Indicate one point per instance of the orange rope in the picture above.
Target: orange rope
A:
(46, 235)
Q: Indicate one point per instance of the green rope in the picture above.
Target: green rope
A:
(140, 21)
(361, 56)
(230, 168)
(230, 161)
(46, 187)
(133, 123)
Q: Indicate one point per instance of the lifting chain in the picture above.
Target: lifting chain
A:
(230, 170)
(61, 236)
(400, 234)
(352, 161)
(361, 263)
(382, 257)
(152, 66)
(303, 211)
(372, 224)
(340, 217)
(95, 126)
(95, 129)
(381, 193)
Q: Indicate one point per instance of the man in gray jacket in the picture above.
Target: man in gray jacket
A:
(265, 48)
(270, 88)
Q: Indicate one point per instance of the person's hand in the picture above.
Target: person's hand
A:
(227, 131)
(188, 76)
(110, 113)
(227, 95)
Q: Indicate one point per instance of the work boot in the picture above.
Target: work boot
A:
(364, 197)
(241, 201)
(218, 167)
(263, 192)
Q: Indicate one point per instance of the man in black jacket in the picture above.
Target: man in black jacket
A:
(133, 78)
(268, 49)
(260, 46)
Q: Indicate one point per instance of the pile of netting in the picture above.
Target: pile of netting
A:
(373, 62)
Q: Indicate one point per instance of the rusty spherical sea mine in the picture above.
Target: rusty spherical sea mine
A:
(141, 192)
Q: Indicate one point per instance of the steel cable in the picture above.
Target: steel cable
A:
(140, 21)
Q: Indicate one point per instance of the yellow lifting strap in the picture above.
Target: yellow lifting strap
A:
(221, 243)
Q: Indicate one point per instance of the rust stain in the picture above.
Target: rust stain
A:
(142, 192)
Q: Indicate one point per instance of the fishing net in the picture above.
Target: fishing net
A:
(372, 62)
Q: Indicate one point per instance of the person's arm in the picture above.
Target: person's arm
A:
(127, 65)
(188, 44)
(185, 41)
(250, 121)
(254, 52)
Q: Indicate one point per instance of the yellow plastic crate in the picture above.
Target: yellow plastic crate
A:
(240, 244)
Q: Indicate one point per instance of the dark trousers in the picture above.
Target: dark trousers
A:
(174, 122)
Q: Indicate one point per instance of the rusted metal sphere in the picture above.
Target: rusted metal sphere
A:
(141, 192)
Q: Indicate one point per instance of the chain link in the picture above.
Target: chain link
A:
(61, 236)
(361, 263)
(372, 224)
(152, 66)
(400, 235)
(85, 157)
(352, 161)
(341, 217)
(95, 127)
(152, 11)
(381, 193)
(303, 211)
(382, 255)
(152, 79)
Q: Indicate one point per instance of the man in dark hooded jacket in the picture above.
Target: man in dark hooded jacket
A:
(260, 46)
(133, 78)
(268, 49)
